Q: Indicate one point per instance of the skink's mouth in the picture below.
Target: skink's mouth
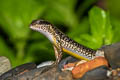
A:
(33, 23)
(32, 27)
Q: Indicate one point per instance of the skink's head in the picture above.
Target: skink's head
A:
(40, 25)
(43, 27)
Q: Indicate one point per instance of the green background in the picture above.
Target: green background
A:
(92, 23)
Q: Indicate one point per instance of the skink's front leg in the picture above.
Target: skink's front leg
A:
(58, 53)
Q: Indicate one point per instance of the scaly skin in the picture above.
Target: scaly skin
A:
(63, 43)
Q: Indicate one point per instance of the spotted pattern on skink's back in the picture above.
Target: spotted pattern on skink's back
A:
(77, 48)
(51, 31)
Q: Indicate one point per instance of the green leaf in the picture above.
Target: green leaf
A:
(97, 19)
(108, 39)
(101, 31)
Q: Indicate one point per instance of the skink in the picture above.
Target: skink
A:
(62, 43)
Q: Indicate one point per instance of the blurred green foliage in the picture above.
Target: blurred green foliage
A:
(24, 45)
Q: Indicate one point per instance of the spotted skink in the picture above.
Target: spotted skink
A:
(62, 43)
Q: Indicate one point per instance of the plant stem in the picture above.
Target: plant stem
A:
(20, 50)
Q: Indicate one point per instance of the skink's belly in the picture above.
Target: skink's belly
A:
(75, 54)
